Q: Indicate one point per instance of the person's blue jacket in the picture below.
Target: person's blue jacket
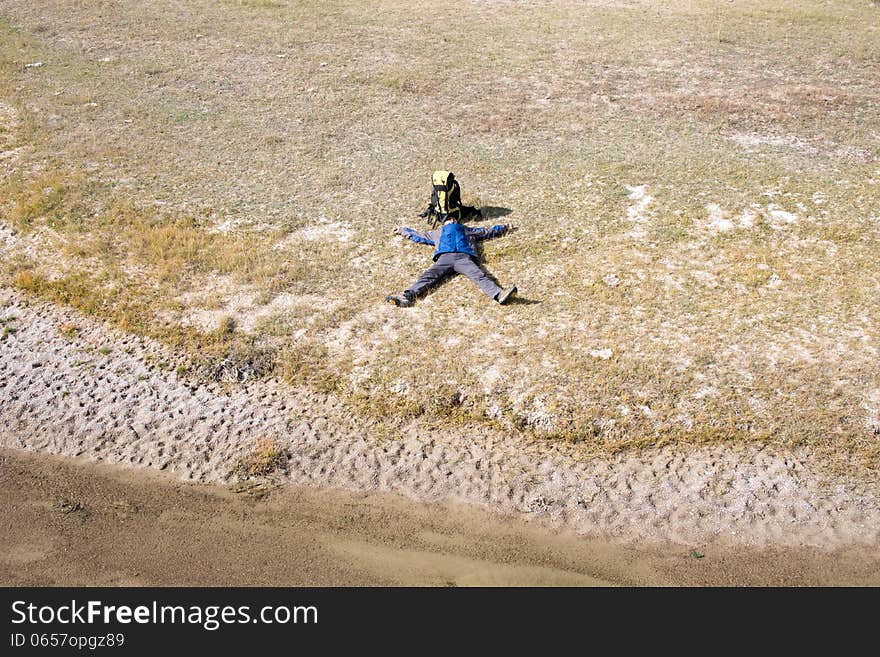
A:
(454, 237)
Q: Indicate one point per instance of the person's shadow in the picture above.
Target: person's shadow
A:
(521, 301)
(488, 212)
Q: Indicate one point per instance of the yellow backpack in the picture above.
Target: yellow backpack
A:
(445, 198)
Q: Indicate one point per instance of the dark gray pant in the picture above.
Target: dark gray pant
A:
(460, 263)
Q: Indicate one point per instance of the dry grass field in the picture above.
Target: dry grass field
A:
(697, 186)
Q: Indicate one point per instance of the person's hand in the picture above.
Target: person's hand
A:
(397, 230)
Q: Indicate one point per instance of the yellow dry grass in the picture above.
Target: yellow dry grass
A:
(696, 185)
(266, 458)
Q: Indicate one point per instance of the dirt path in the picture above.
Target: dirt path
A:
(102, 394)
(68, 521)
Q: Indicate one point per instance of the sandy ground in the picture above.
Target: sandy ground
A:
(70, 521)
(102, 394)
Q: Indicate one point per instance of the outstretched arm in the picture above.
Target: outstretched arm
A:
(488, 232)
(414, 235)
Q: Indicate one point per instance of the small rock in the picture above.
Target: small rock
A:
(67, 506)
(611, 280)
(604, 354)
(540, 504)
(34, 65)
(35, 364)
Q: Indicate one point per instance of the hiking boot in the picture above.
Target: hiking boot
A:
(506, 294)
(400, 300)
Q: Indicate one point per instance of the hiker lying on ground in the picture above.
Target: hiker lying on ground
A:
(456, 251)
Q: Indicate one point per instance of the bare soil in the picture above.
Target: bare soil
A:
(74, 387)
(70, 522)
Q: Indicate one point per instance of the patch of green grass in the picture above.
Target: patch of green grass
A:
(182, 117)
(256, 4)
